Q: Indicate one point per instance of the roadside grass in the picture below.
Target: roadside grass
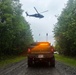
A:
(11, 60)
(66, 60)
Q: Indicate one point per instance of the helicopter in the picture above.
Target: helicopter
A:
(37, 15)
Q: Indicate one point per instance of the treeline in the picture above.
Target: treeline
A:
(15, 32)
(65, 30)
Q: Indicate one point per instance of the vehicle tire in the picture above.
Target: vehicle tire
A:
(49, 64)
(53, 65)
(53, 61)
(29, 62)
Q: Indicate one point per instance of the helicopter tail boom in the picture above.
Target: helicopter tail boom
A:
(26, 14)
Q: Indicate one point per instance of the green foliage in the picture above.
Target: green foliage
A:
(15, 32)
(65, 30)
(66, 60)
(11, 60)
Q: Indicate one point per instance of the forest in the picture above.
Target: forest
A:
(65, 30)
(15, 31)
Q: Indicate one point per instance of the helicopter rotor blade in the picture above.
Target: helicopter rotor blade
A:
(36, 10)
(44, 11)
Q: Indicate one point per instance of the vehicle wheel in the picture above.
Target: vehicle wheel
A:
(53, 61)
(53, 64)
(49, 64)
(29, 62)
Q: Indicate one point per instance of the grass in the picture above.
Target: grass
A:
(67, 60)
(11, 60)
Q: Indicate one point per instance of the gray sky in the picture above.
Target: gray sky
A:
(46, 24)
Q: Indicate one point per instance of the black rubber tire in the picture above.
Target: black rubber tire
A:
(29, 62)
(53, 59)
(53, 65)
(52, 62)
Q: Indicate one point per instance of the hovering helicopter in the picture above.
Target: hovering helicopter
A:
(38, 15)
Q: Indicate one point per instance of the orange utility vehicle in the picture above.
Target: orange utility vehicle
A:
(41, 52)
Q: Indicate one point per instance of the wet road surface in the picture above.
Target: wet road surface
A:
(22, 68)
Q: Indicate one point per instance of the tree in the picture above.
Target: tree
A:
(15, 32)
(65, 30)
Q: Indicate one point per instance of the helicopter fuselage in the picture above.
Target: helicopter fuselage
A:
(37, 15)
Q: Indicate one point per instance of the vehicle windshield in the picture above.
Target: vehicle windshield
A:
(44, 26)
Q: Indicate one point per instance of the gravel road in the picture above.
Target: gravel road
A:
(21, 68)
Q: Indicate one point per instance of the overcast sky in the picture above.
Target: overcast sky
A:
(46, 24)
